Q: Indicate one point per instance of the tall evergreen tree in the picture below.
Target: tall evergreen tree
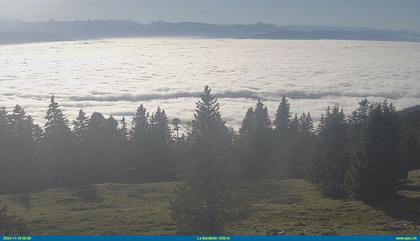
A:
(20, 152)
(4, 122)
(412, 151)
(283, 139)
(124, 129)
(176, 122)
(255, 142)
(283, 118)
(375, 164)
(331, 153)
(80, 125)
(301, 147)
(138, 159)
(103, 146)
(160, 148)
(205, 203)
(58, 147)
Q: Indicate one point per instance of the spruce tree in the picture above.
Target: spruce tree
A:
(20, 151)
(4, 122)
(412, 151)
(283, 118)
(301, 147)
(375, 164)
(139, 159)
(205, 202)
(176, 122)
(255, 142)
(283, 139)
(58, 147)
(140, 124)
(80, 125)
(331, 153)
(124, 129)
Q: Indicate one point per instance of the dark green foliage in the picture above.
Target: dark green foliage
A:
(19, 138)
(411, 151)
(80, 125)
(410, 137)
(152, 146)
(283, 118)
(293, 142)
(102, 147)
(331, 153)
(124, 130)
(255, 142)
(205, 203)
(301, 148)
(375, 163)
(370, 148)
(58, 148)
(176, 122)
(282, 139)
(160, 147)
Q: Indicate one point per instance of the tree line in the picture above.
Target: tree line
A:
(363, 156)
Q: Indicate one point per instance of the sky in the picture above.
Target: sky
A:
(388, 14)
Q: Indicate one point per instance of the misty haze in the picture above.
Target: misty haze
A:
(203, 119)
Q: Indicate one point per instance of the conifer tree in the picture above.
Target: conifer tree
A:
(4, 122)
(205, 203)
(139, 139)
(375, 164)
(176, 122)
(301, 147)
(412, 151)
(124, 129)
(58, 147)
(255, 142)
(140, 124)
(283, 118)
(160, 148)
(283, 139)
(331, 153)
(80, 125)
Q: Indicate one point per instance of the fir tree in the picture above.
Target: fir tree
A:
(375, 164)
(301, 147)
(58, 147)
(331, 153)
(205, 203)
(176, 122)
(124, 129)
(80, 125)
(255, 142)
(139, 139)
(283, 117)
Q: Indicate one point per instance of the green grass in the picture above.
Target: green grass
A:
(290, 206)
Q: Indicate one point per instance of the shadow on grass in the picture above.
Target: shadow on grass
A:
(401, 207)
(411, 188)
(85, 193)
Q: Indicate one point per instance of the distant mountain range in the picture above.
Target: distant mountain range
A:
(16, 31)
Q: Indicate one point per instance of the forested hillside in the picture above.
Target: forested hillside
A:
(365, 156)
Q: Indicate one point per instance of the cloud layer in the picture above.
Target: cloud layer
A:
(115, 76)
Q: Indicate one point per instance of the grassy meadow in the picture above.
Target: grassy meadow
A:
(290, 207)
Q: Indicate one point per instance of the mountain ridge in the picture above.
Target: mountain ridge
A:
(95, 29)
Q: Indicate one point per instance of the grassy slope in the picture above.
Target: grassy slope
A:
(292, 206)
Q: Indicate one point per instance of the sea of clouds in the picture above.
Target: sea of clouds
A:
(115, 76)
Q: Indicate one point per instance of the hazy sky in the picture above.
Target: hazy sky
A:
(391, 14)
